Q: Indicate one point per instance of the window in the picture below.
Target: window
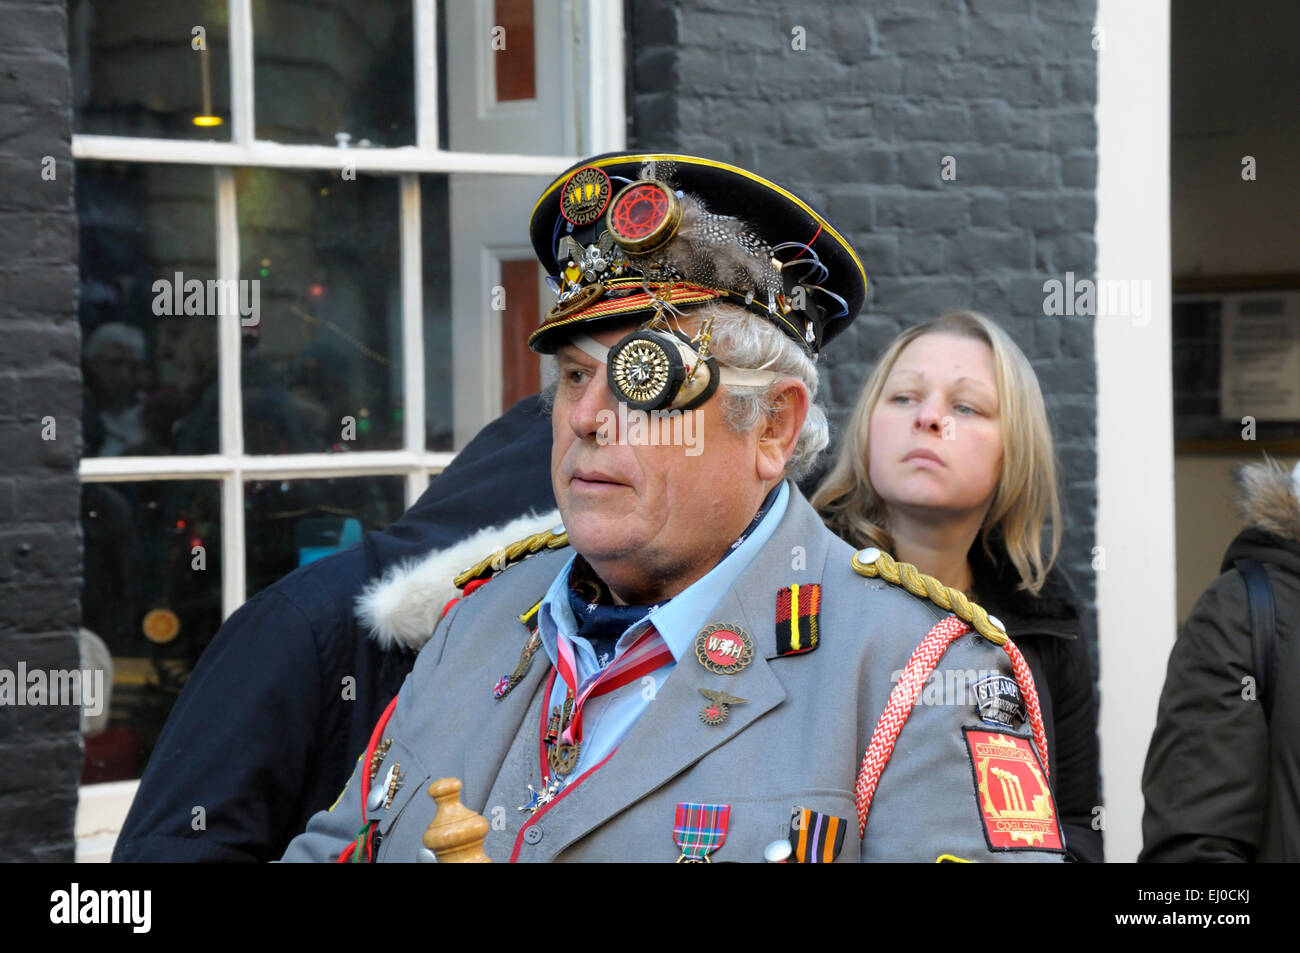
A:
(292, 214)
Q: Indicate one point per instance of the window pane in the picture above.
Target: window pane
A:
(152, 597)
(137, 69)
(508, 76)
(150, 368)
(334, 68)
(483, 296)
(322, 368)
(290, 523)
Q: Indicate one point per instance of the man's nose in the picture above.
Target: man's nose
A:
(591, 409)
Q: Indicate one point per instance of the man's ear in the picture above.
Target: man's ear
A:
(778, 433)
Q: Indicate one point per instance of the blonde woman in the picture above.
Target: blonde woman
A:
(947, 463)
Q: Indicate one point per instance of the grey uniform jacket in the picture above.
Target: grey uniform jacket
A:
(797, 740)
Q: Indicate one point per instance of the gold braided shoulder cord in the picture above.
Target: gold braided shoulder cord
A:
(873, 562)
(502, 557)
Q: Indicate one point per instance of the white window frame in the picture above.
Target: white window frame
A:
(603, 129)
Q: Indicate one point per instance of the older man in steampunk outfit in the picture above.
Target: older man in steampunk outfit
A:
(692, 667)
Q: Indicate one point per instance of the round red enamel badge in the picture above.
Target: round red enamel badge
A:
(724, 648)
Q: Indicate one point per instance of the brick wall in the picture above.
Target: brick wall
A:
(859, 122)
(40, 377)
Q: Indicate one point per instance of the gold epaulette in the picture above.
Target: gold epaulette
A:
(504, 556)
(872, 562)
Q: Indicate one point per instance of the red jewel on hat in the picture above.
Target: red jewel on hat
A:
(644, 216)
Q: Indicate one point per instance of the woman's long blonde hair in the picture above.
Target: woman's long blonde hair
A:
(1026, 497)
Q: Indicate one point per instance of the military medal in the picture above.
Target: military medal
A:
(816, 838)
(563, 735)
(382, 796)
(539, 798)
(716, 711)
(700, 830)
(377, 758)
(724, 648)
(507, 682)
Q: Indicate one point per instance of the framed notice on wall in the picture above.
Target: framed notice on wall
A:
(1236, 373)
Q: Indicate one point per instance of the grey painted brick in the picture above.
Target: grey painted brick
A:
(1050, 211)
(940, 37)
(1073, 128)
(916, 299)
(36, 501)
(878, 251)
(850, 32)
(32, 28)
(941, 122)
(33, 344)
(36, 553)
(1079, 169)
(992, 298)
(945, 210)
(24, 448)
(989, 209)
(995, 123)
(45, 237)
(35, 78)
(44, 605)
(921, 253)
(1047, 337)
(44, 290)
(852, 210)
(1024, 168)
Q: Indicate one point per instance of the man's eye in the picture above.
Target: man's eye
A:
(576, 375)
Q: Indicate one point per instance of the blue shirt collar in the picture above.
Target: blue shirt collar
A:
(678, 620)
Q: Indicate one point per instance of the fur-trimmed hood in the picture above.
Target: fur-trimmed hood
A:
(401, 608)
(1270, 498)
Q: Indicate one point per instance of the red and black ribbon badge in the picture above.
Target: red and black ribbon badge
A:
(797, 609)
(816, 837)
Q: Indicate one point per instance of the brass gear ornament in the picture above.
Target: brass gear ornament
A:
(642, 371)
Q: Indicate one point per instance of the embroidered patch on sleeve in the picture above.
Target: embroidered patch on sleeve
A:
(1011, 791)
(797, 609)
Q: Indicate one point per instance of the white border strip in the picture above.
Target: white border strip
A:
(1136, 603)
(286, 466)
(242, 126)
(424, 20)
(276, 155)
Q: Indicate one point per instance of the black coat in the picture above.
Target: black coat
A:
(1048, 632)
(283, 701)
(1222, 782)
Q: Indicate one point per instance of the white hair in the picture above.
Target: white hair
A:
(741, 339)
(114, 332)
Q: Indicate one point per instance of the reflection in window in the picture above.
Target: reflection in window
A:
(140, 69)
(151, 600)
(290, 523)
(322, 368)
(439, 393)
(334, 72)
(149, 379)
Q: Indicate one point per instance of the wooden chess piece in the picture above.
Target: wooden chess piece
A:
(456, 833)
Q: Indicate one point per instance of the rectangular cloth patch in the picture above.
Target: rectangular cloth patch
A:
(797, 609)
(1015, 802)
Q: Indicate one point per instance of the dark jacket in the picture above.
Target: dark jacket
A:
(1048, 632)
(283, 701)
(1222, 782)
